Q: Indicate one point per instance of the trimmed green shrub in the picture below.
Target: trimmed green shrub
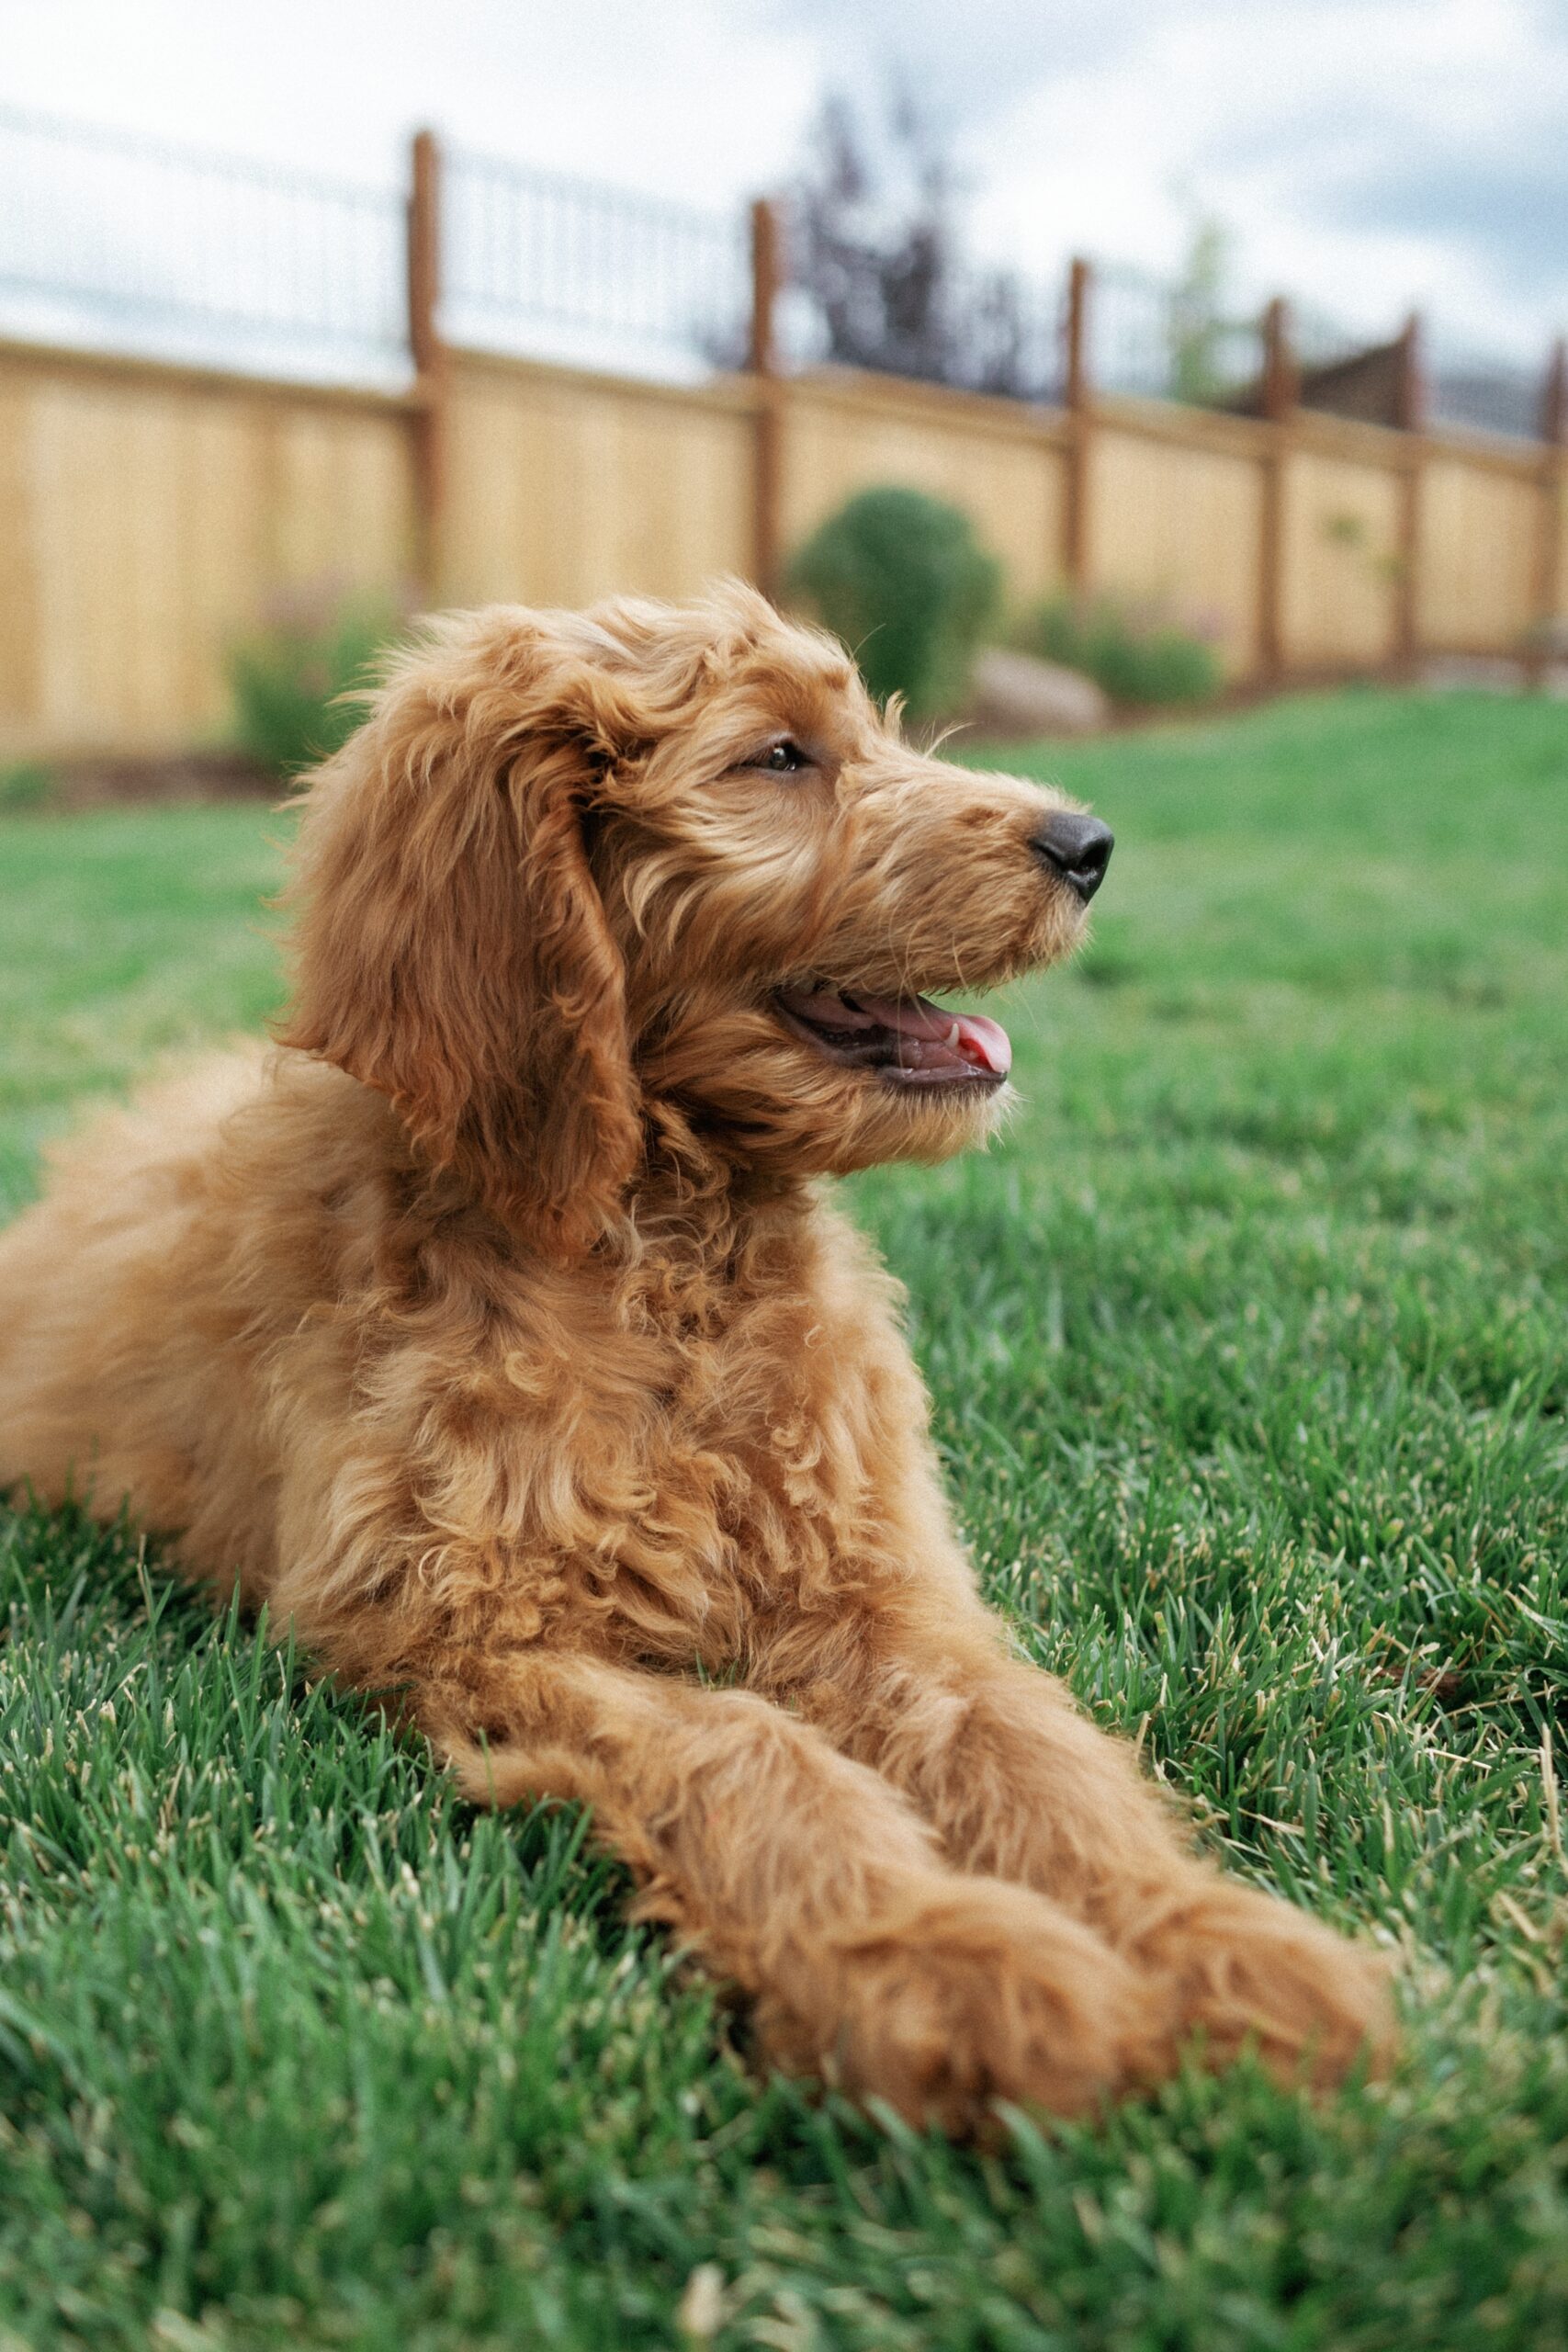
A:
(902, 579)
(1138, 654)
(26, 784)
(290, 680)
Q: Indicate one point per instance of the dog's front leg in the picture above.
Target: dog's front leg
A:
(1020, 1785)
(804, 1875)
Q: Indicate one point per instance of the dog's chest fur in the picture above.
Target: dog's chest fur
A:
(401, 1432)
(678, 1462)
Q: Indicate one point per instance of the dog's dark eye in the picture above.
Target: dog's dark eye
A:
(784, 759)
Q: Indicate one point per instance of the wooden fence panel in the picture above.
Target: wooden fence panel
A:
(562, 487)
(1005, 467)
(341, 498)
(1182, 526)
(1340, 571)
(21, 584)
(151, 515)
(1477, 582)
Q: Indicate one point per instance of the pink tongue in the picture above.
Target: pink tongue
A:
(954, 1040)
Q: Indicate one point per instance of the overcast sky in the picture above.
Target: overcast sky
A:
(1365, 154)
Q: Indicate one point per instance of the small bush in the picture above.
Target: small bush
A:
(289, 680)
(26, 785)
(902, 579)
(1138, 654)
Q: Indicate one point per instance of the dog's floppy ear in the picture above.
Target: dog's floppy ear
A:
(450, 945)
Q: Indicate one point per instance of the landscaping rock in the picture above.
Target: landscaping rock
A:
(1014, 695)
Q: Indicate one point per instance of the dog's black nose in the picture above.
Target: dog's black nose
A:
(1078, 848)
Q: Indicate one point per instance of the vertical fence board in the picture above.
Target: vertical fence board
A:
(563, 488)
(232, 491)
(1477, 585)
(1342, 521)
(1179, 528)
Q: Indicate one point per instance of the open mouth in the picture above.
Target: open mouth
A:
(907, 1039)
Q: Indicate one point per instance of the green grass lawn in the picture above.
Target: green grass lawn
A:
(1250, 1359)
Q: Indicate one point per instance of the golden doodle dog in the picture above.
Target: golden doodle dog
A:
(495, 1332)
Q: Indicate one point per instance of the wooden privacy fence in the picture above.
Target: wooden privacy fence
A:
(151, 512)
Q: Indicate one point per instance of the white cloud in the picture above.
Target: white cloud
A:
(1273, 122)
(686, 98)
(1366, 153)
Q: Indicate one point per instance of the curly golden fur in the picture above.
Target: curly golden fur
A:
(492, 1331)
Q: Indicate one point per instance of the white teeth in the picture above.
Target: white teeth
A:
(954, 1037)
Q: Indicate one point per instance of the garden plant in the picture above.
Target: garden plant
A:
(902, 579)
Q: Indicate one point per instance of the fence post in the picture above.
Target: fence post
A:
(1410, 377)
(429, 355)
(1080, 424)
(1280, 389)
(1554, 398)
(1553, 492)
(767, 394)
(1410, 417)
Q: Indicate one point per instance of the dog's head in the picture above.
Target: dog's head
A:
(574, 866)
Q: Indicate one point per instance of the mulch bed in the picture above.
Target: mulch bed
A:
(103, 781)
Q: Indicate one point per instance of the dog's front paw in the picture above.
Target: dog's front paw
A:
(1242, 1969)
(979, 1993)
